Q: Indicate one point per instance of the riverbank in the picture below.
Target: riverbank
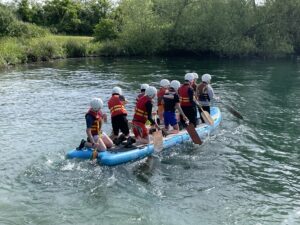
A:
(15, 51)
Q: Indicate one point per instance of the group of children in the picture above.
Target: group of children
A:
(171, 97)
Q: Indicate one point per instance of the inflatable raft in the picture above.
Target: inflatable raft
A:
(121, 155)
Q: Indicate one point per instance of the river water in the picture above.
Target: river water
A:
(247, 172)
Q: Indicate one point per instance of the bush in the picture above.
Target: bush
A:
(75, 48)
(27, 30)
(6, 19)
(12, 51)
(44, 49)
(2, 62)
(105, 30)
(111, 48)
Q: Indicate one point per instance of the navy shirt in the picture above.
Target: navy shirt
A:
(170, 101)
(89, 120)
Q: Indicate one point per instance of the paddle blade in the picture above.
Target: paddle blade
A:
(233, 112)
(158, 140)
(193, 134)
(207, 118)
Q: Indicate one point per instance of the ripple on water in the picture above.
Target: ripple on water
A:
(245, 173)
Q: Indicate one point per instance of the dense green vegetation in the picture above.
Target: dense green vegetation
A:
(226, 28)
(17, 51)
(218, 27)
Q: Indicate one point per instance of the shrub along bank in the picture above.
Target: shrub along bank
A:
(25, 50)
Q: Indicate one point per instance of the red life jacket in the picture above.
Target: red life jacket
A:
(116, 106)
(141, 114)
(202, 92)
(96, 127)
(184, 97)
(160, 95)
(139, 96)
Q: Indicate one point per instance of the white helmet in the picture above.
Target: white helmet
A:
(175, 84)
(164, 83)
(206, 78)
(144, 86)
(96, 104)
(117, 90)
(151, 91)
(189, 77)
(196, 75)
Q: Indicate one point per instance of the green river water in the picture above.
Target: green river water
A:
(247, 172)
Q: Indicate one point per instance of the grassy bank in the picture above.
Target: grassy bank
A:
(20, 50)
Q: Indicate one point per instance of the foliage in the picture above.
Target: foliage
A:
(105, 30)
(75, 48)
(65, 16)
(44, 49)
(22, 50)
(221, 27)
(12, 51)
(62, 14)
(91, 13)
(26, 30)
(10, 26)
(6, 19)
(110, 48)
(24, 11)
(230, 28)
(142, 32)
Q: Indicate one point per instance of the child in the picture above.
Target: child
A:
(205, 93)
(116, 105)
(171, 103)
(143, 112)
(164, 84)
(143, 89)
(96, 138)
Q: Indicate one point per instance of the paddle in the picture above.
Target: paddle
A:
(94, 154)
(95, 151)
(157, 138)
(190, 128)
(232, 110)
(205, 115)
(193, 134)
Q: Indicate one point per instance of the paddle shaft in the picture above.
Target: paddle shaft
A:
(232, 110)
(157, 137)
(205, 115)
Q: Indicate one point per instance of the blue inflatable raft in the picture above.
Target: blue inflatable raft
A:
(118, 156)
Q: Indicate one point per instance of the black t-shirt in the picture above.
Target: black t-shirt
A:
(170, 101)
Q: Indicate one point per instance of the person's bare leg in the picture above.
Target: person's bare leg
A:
(106, 140)
(175, 129)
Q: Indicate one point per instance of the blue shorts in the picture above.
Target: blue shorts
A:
(170, 118)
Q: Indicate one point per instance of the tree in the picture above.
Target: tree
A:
(91, 12)
(24, 11)
(105, 30)
(6, 20)
(62, 15)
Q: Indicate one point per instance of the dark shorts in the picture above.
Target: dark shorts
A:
(120, 122)
(191, 114)
(170, 118)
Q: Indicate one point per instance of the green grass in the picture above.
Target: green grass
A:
(20, 50)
